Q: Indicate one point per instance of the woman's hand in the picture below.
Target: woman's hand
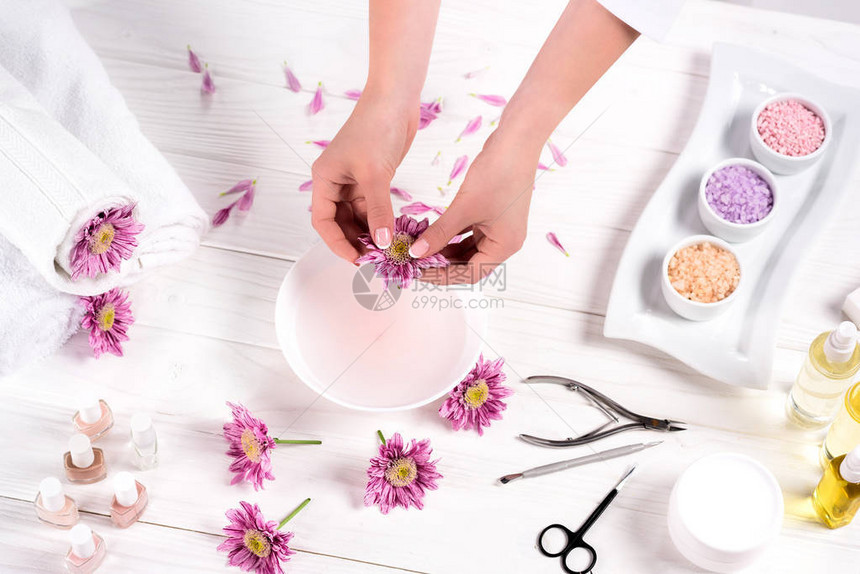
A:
(352, 177)
(493, 203)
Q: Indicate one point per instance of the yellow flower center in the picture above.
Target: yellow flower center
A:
(401, 472)
(102, 239)
(106, 317)
(257, 543)
(252, 447)
(476, 395)
(398, 251)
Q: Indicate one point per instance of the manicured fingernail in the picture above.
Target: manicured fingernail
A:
(419, 248)
(382, 237)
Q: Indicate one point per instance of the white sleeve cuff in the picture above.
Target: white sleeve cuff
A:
(652, 18)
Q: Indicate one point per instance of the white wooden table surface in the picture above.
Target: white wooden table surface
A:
(204, 332)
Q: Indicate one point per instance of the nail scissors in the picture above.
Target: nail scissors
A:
(574, 539)
(606, 405)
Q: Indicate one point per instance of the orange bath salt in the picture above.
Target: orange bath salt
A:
(704, 272)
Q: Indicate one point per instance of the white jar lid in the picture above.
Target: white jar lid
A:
(724, 511)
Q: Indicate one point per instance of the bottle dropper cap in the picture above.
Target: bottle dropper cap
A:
(51, 494)
(81, 450)
(90, 409)
(142, 431)
(840, 345)
(850, 467)
(125, 488)
(81, 537)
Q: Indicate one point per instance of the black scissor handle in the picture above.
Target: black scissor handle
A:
(568, 535)
(573, 542)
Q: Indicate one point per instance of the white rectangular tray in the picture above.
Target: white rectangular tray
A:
(736, 348)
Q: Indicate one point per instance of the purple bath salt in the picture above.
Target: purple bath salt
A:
(738, 194)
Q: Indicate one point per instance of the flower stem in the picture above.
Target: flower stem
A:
(285, 441)
(293, 513)
(381, 437)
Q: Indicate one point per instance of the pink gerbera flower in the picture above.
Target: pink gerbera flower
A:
(394, 263)
(249, 445)
(400, 475)
(104, 242)
(477, 399)
(255, 544)
(108, 317)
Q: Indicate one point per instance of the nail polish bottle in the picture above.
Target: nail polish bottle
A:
(84, 464)
(144, 441)
(94, 418)
(87, 552)
(129, 500)
(53, 506)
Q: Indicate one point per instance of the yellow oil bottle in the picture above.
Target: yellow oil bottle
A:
(830, 368)
(837, 496)
(844, 433)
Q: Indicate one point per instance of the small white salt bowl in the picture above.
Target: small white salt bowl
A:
(687, 308)
(735, 232)
(724, 511)
(786, 164)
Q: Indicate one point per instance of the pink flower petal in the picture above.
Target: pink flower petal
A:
(476, 73)
(553, 239)
(307, 186)
(194, 61)
(471, 127)
(429, 111)
(247, 200)
(418, 207)
(543, 167)
(208, 86)
(557, 156)
(317, 104)
(497, 101)
(436, 158)
(459, 167)
(293, 83)
(352, 94)
(401, 193)
(319, 143)
(223, 215)
(240, 187)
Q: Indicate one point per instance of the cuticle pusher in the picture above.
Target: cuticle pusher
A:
(582, 460)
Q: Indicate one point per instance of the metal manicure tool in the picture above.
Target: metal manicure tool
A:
(582, 460)
(609, 407)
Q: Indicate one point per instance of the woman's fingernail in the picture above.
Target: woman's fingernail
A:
(419, 248)
(382, 237)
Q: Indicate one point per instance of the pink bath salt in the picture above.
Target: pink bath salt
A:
(704, 272)
(738, 194)
(790, 128)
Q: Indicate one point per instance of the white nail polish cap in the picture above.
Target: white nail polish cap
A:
(52, 495)
(142, 431)
(90, 409)
(81, 537)
(81, 450)
(125, 488)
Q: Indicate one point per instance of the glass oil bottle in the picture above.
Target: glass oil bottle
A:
(829, 368)
(844, 433)
(837, 497)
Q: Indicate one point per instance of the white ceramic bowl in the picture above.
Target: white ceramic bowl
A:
(724, 511)
(696, 310)
(736, 232)
(402, 357)
(786, 164)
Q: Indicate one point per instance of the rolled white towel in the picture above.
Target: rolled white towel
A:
(35, 318)
(41, 48)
